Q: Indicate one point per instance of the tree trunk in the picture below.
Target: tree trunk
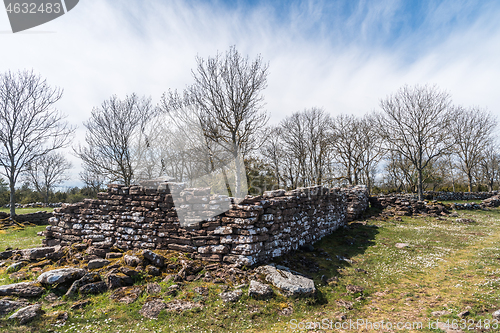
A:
(12, 199)
(420, 188)
(469, 179)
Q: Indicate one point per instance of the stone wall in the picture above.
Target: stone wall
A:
(405, 205)
(252, 230)
(357, 201)
(39, 218)
(458, 196)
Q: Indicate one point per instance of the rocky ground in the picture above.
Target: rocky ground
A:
(69, 274)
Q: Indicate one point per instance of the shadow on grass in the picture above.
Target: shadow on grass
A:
(323, 260)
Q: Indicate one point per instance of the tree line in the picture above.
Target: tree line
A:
(416, 140)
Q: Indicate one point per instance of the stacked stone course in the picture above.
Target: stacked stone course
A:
(252, 230)
(357, 201)
(458, 196)
(39, 218)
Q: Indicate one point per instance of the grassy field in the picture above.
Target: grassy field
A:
(20, 238)
(27, 210)
(447, 266)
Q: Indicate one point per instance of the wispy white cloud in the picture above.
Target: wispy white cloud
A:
(342, 56)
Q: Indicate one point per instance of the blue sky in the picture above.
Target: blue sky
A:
(343, 56)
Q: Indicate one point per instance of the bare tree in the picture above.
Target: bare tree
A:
(348, 146)
(227, 91)
(490, 165)
(299, 148)
(47, 171)
(93, 181)
(272, 150)
(415, 123)
(111, 136)
(369, 145)
(30, 126)
(472, 130)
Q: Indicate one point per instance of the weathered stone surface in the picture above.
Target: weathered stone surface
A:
(80, 304)
(27, 314)
(153, 288)
(15, 267)
(153, 270)
(37, 252)
(181, 305)
(259, 290)
(155, 259)
(172, 290)
(86, 279)
(203, 291)
(23, 289)
(290, 283)
(152, 308)
(465, 221)
(118, 280)
(61, 275)
(130, 272)
(93, 288)
(114, 255)
(7, 306)
(96, 252)
(354, 289)
(131, 260)
(496, 315)
(127, 295)
(97, 263)
(231, 296)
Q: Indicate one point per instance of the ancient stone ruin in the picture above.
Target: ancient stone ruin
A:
(38, 218)
(252, 230)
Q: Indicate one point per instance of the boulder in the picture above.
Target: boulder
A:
(259, 290)
(151, 309)
(153, 270)
(231, 296)
(118, 280)
(155, 259)
(96, 252)
(93, 288)
(131, 260)
(181, 305)
(7, 306)
(130, 272)
(127, 295)
(153, 288)
(291, 283)
(97, 263)
(37, 252)
(23, 289)
(61, 275)
(114, 255)
(86, 279)
(27, 314)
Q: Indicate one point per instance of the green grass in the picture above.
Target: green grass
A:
(21, 238)
(447, 266)
(20, 211)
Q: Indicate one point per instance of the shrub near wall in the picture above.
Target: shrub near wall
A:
(250, 231)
